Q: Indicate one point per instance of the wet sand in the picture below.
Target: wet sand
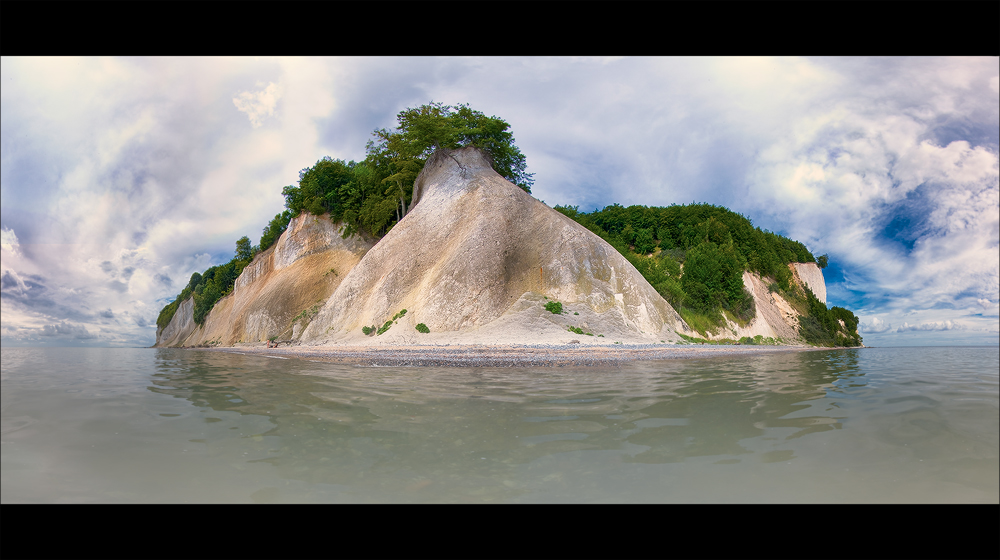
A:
(503, 355)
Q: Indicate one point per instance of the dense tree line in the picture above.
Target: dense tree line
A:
(694, 256)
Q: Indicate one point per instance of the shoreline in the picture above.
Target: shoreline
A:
(476, 355)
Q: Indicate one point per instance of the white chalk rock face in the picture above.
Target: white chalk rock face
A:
(299, 272)
(812, 275)
(180, 327)
(472, 247)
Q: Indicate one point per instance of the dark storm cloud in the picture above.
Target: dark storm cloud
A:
(10, 282)
(22, 286)
(949, 128)
(120, 287)
(29, 292)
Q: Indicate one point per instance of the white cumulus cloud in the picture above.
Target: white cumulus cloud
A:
(876, 325)
(258, 104)
(935, 326)
(8, 243)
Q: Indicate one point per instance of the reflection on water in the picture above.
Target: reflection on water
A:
(870, 425)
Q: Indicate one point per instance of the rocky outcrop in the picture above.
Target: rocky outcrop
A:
(279, 292)
(475, 250)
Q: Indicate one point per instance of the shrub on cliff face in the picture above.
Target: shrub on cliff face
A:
(422, 328)
(554, 307)
(274, 229)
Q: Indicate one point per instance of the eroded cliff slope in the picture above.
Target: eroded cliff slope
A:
(478, 255)
(279, 292)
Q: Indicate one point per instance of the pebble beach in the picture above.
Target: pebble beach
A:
(476, 355)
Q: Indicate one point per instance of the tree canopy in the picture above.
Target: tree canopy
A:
(374, 194)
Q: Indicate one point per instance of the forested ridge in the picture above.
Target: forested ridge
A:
(693, 255)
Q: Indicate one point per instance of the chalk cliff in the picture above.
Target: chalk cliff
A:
(476, 254)
(279, 292)
(476, 259)
(810, 275)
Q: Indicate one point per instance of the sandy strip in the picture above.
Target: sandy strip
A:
(503, 356)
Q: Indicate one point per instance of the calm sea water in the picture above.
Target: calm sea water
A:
(871, 425)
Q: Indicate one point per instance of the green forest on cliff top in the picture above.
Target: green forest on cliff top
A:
(693, 255)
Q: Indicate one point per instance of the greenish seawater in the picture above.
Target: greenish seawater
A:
(873, 425)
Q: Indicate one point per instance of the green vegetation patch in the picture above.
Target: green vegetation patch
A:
(376, 330)
(702, 322)
(307, 313)
(761, 340)
(694, 256)
(422, 328)
(208, 288)
(823, 325)
(695, 340)
(554, 307)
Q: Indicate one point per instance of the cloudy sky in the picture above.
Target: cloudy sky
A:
(122, 176)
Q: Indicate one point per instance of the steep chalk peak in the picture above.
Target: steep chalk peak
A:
(471, 248)
(451, 172)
